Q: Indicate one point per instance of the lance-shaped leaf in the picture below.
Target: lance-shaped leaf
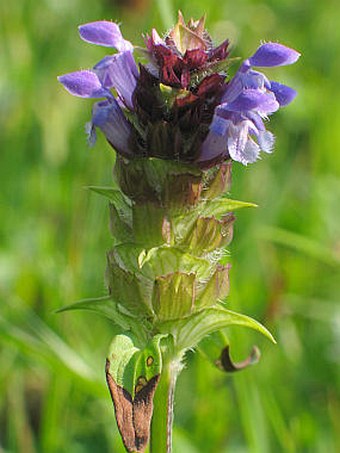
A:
(116, 196)
(208, 234)
(190, 331)
(132, 375)
(173, 295)
(104, 306)
(121, 203)
(220, 207)
(217, 288)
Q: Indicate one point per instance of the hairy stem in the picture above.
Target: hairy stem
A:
(163, 412)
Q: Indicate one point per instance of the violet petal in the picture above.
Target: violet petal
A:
(242, 148)
(251, 152)
(234, 88)
(283, 93)
(219, 125)
(84, 84)
(108, 116)
(120, 72)
(237, 139)
(245, 78)
(266, 141)
(264, 103)
(213, 146)
(254, 79)
(104, 33)
(256, 119)
(273, 54)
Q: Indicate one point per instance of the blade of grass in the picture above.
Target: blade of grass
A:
(166, 12)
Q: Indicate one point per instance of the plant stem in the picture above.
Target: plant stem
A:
(163, 411)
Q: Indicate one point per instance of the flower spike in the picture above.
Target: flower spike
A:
(176, 121)
(182, 105)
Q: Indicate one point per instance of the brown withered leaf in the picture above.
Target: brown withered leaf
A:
(133, 415)
(226, 363)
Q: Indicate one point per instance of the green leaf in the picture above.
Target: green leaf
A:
(132, 365)
(132, 374)
(190, 331)
(126, 255)
(115, 195)
(104, 306)
(210, 347)
(120, 212)
(220, 207)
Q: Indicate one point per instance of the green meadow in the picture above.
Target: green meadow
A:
(54, 235)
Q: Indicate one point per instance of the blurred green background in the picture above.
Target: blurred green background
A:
(54, 234)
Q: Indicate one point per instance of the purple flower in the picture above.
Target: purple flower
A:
(248, 99)
(117, 71)
(109, 118)
(181, 105)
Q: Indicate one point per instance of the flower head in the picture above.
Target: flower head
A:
(181, 105)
